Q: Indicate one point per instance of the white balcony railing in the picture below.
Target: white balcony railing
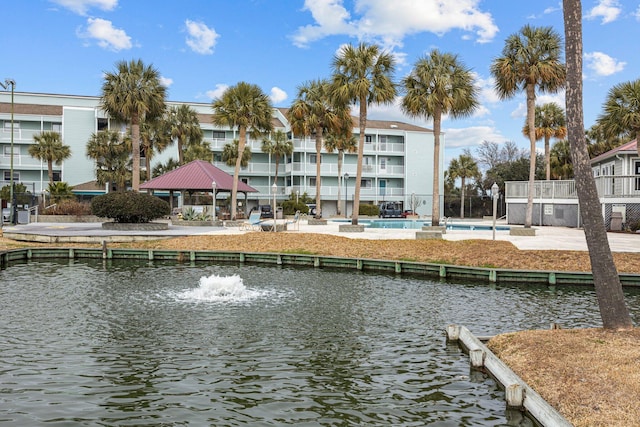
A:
(607, 186)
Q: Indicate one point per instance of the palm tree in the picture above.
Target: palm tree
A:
(132, 95)
(154, 138)
(246, 107)
(606, 281)
(278, 146)
(550, 122)
(560, 160)
(313, 113)
(49, 148)
(162, 168)
(59, 191)
(622, 111)
(341, 141)
(230, 154)
(112, 155)
(198, 151)
(530, 59)
(362, 75)
(439, 84)
(184, 127)
(463, 167)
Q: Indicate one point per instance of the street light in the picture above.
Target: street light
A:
(495, 192)
(274, 188)
(213, 202)
(12, 215)
(346, 179)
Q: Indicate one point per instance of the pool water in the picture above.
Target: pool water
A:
(412, 224)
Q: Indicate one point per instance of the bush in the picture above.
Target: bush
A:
(369, 209)
(289, 207)
(634, 225)
(68, 207)
(129, 207)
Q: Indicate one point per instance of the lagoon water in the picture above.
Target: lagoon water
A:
(84, 343)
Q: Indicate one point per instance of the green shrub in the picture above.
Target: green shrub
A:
(129, 207)
(634, 225)
(290, 207)
(68, 207)
(190, 214)
(369, 209)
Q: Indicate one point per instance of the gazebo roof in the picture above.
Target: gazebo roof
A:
(196, 176)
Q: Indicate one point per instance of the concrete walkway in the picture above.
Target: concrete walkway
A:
(546, 238)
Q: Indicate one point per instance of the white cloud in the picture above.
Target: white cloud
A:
(201, 39)
(389, 22)
(637, 13)
(609, 10)
(106, 35)
(166, 81)
(277, 95)
(471, 137)
(602, 64)
(218, 91)
(82, 6)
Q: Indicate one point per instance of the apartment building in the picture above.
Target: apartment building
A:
(397, 165)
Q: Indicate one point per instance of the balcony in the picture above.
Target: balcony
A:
(608, 187)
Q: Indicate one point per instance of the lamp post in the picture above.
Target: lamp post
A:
(346, 179)
(213, 202)
(12, 212)
(495, 191)
(274, 188)
(297, 196)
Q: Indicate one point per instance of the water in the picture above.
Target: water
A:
(413, 224)
(85, 343)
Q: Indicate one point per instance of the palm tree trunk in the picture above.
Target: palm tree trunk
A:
(275, 179)
(462, 198)
(242, 141)
(180, 153)
(147, 162)
(135, 147)
(50, 171)
(356, 192)
(435, 203)
(318, 179)
(340, 183)
(606, 281)
(547, 157)
(531, 108)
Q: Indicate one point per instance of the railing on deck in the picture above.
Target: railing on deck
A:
(607, 186)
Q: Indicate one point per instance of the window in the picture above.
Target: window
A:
(368, 138)
(57, 176)
(383, 163)
(312, 181)
(218, 134)
(103, 124)
(56, 127)
(7, 126)
(366, 183)
(217, 157)
(7, 175)
(313, 157)
(245, 180)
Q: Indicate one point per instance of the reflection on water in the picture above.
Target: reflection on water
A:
(156, 344)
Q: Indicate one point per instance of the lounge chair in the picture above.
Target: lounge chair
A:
(295, 222)
(254, 223)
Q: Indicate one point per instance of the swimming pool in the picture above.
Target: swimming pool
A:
(416, 224)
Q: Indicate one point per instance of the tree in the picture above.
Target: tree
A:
(560, 160)
(598, 142)
(530, 59)
(245, 107)
(59, 191)
(362, 75)
(607, 284)
(439, 84)
(491, 154)
(622, 111)
(154, 138)
(184, 127)
(314, 113)
(550, 123)
(49, 148)
(230, 154)
(341, 140)
(132, 95)
(112, 155)
(463, 167)
(162, 168)
(277, 147)
(198, 151)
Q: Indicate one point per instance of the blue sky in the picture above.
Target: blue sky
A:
(200, 47)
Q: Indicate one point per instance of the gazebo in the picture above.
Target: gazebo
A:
(198, 175)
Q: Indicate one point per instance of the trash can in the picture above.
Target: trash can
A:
(279, 214)
(616, 221)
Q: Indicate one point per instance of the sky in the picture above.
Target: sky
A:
(201, 47)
